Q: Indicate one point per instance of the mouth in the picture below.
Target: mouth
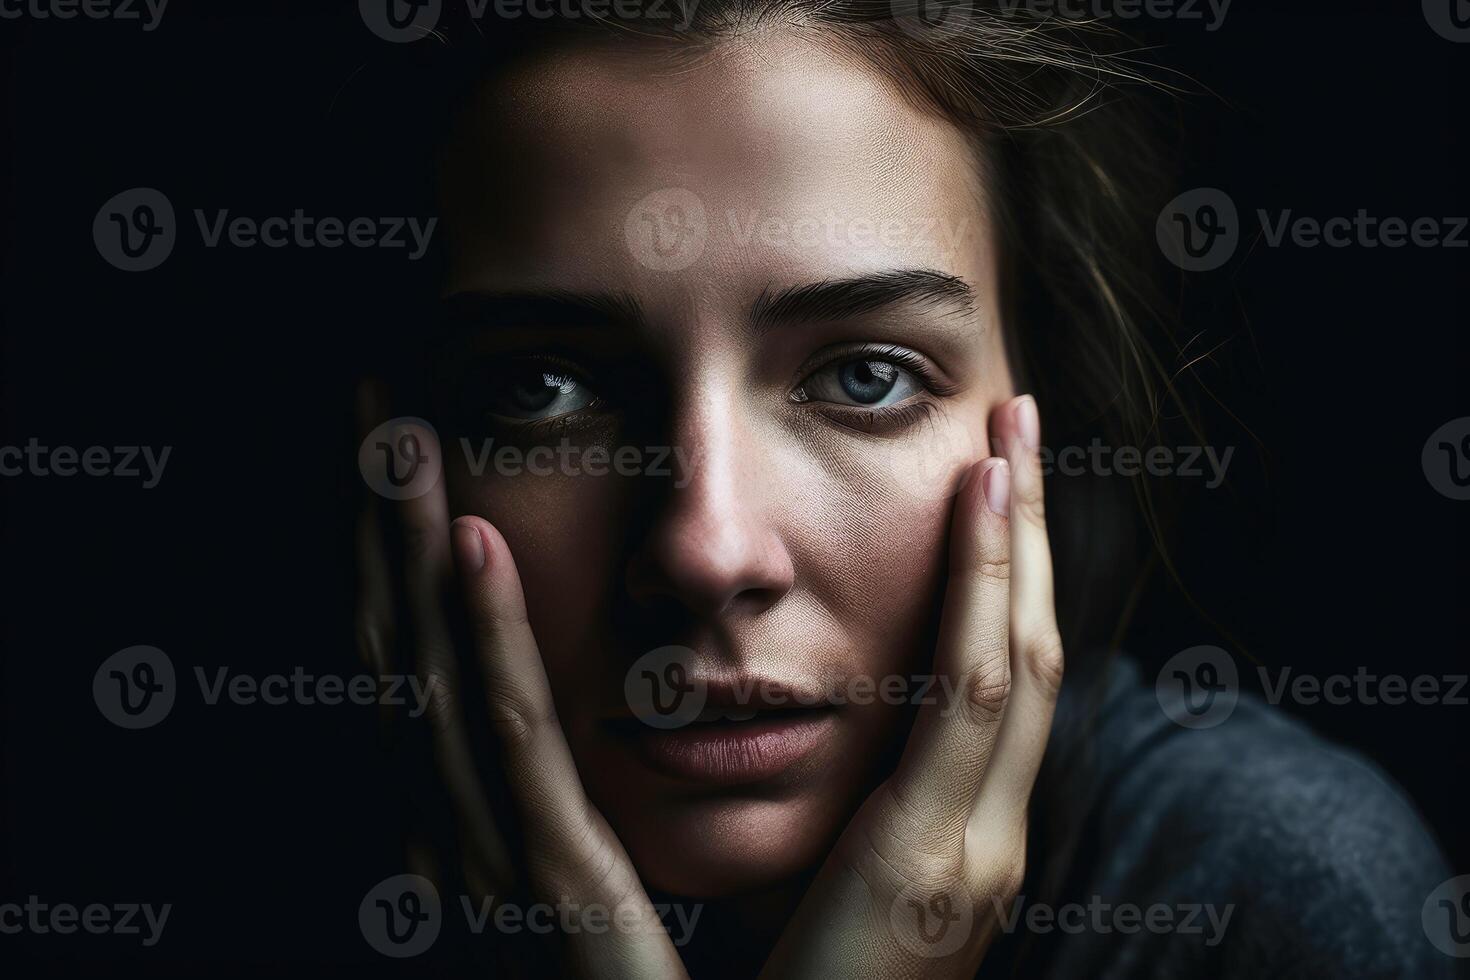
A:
(730, 743)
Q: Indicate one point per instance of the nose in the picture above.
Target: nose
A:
(712, 549)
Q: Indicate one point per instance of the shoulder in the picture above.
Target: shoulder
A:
(1303, 857)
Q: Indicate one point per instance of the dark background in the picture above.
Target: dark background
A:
(265, 826)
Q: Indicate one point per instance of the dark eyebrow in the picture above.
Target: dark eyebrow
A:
(541, 308)
(840, 299)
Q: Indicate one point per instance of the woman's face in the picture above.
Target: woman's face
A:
(770, 265)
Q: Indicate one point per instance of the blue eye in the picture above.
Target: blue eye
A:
(539, 392)
(865, 381)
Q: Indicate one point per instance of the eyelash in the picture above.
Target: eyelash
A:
(533, 430)
(889, 418)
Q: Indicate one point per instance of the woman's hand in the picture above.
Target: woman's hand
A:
(942, 837)
(569, 853)
(915, 883)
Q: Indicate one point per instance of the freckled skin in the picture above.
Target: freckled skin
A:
(800, 547)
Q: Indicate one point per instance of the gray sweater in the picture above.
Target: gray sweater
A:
(1251, 849)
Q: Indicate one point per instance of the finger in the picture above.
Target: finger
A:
(423, 533)
(1036, 647)
(951, 744)
(572, 852)
(522, 712)
(374, 613)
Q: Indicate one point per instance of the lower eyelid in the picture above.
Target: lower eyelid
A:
(889, 418)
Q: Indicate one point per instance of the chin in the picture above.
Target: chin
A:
(720, 848)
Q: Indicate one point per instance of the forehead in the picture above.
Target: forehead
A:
(790, 160)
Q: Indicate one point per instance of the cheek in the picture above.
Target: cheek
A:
(563, 532)
(875, 556)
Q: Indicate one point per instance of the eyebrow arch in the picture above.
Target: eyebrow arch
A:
(839, 299)
(541, 308)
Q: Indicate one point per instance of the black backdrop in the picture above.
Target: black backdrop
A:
(265, 826)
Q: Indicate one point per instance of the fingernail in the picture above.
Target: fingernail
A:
(469, 547)
(997, 486)
(1028, 422)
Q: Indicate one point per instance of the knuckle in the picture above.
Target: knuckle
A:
(994, 569)
(905, 841)
(579, 865)
(515, 719)
(908, 853)
(439, 688)
(988, 687)
(1031, 506)
(374, 640)
(1009, 875)
(937, 874)
(1047, 662)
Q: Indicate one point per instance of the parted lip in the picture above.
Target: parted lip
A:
(727, 747)
(740, 698)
